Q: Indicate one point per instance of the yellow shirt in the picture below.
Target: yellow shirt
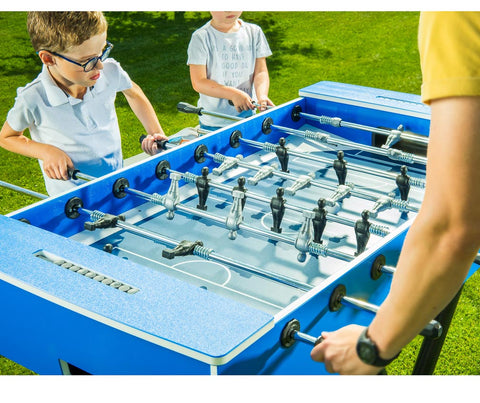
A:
(449, 45)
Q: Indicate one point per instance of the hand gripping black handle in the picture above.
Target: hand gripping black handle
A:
(187, 108)
(162, 144)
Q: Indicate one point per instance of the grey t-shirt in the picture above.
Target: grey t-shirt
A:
(230, 60)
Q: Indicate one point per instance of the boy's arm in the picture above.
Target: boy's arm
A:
(56, 163)
(201, 84)
(261, 81)
(439, 248)
(145, 113)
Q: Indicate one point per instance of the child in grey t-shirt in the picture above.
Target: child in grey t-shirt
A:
(227, 59)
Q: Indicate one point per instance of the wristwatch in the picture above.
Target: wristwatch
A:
(367, 351)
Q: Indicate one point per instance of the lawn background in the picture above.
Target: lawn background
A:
(375, 49)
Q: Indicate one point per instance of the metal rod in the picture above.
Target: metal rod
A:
(211, 255)
(76, 174)
(355, 192)
(23, 190)
(433, 329)
(216, 257)
(187, 108)
(221, 220)
(306, 338)
(262, 272)
(248, 228)
(325, 138)
(354, 167)
(388, 269)
(356, 303)
(338, 122)
(313, 248)
(374, 228)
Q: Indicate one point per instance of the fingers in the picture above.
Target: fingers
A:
(318, 352)
(57, 165)
(338, 352)
(149, 143)
(264, 104)
(245, 106)
(242, 102)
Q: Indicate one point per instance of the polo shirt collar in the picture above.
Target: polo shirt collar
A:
(56, 96)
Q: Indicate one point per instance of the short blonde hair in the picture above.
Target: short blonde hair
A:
(58, 31)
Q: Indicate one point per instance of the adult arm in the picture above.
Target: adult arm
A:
(440, 245)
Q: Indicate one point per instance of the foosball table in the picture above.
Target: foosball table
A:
(226, 254)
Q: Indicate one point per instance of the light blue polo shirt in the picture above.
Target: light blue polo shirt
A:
(87, 130)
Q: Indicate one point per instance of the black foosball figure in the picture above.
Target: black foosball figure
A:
(203, 188)
(362, 232)
(282, 154)
(403, 182)
(277, 205)
(319, 221)
(340, 166)
(241, 186)
(183, 248)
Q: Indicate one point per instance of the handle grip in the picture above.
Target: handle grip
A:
(433, 330)
(187, 108)
(256, 104)
(73, 173)
(162, 144)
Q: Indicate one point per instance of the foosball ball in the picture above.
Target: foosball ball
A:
(226, 254)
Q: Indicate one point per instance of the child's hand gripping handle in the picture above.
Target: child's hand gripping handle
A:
(161, 144)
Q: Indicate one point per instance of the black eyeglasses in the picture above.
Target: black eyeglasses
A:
(90, 64)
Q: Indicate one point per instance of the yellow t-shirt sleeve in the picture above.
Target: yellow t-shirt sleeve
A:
(449, 45)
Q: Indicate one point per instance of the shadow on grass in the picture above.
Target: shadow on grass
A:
(152, 47)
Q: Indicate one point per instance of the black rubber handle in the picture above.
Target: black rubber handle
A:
(187, 108)
(162, 144)
(433, 330)
(73, 173)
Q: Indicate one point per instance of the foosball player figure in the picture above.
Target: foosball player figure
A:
(319, 221)
(282, 154)
(203, 188)
(362, 232)
(340, 166)
(277, 205)
(403, 183)
(184, 248)
(241, 186)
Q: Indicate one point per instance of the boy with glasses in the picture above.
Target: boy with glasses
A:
(69, 108)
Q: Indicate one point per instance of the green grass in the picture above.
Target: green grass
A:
(374, 49)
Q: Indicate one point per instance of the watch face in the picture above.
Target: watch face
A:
(366, 352)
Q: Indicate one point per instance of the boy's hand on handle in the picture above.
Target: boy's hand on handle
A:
(149, 143)
(242, 101)
(56, 163)
(264, 104)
